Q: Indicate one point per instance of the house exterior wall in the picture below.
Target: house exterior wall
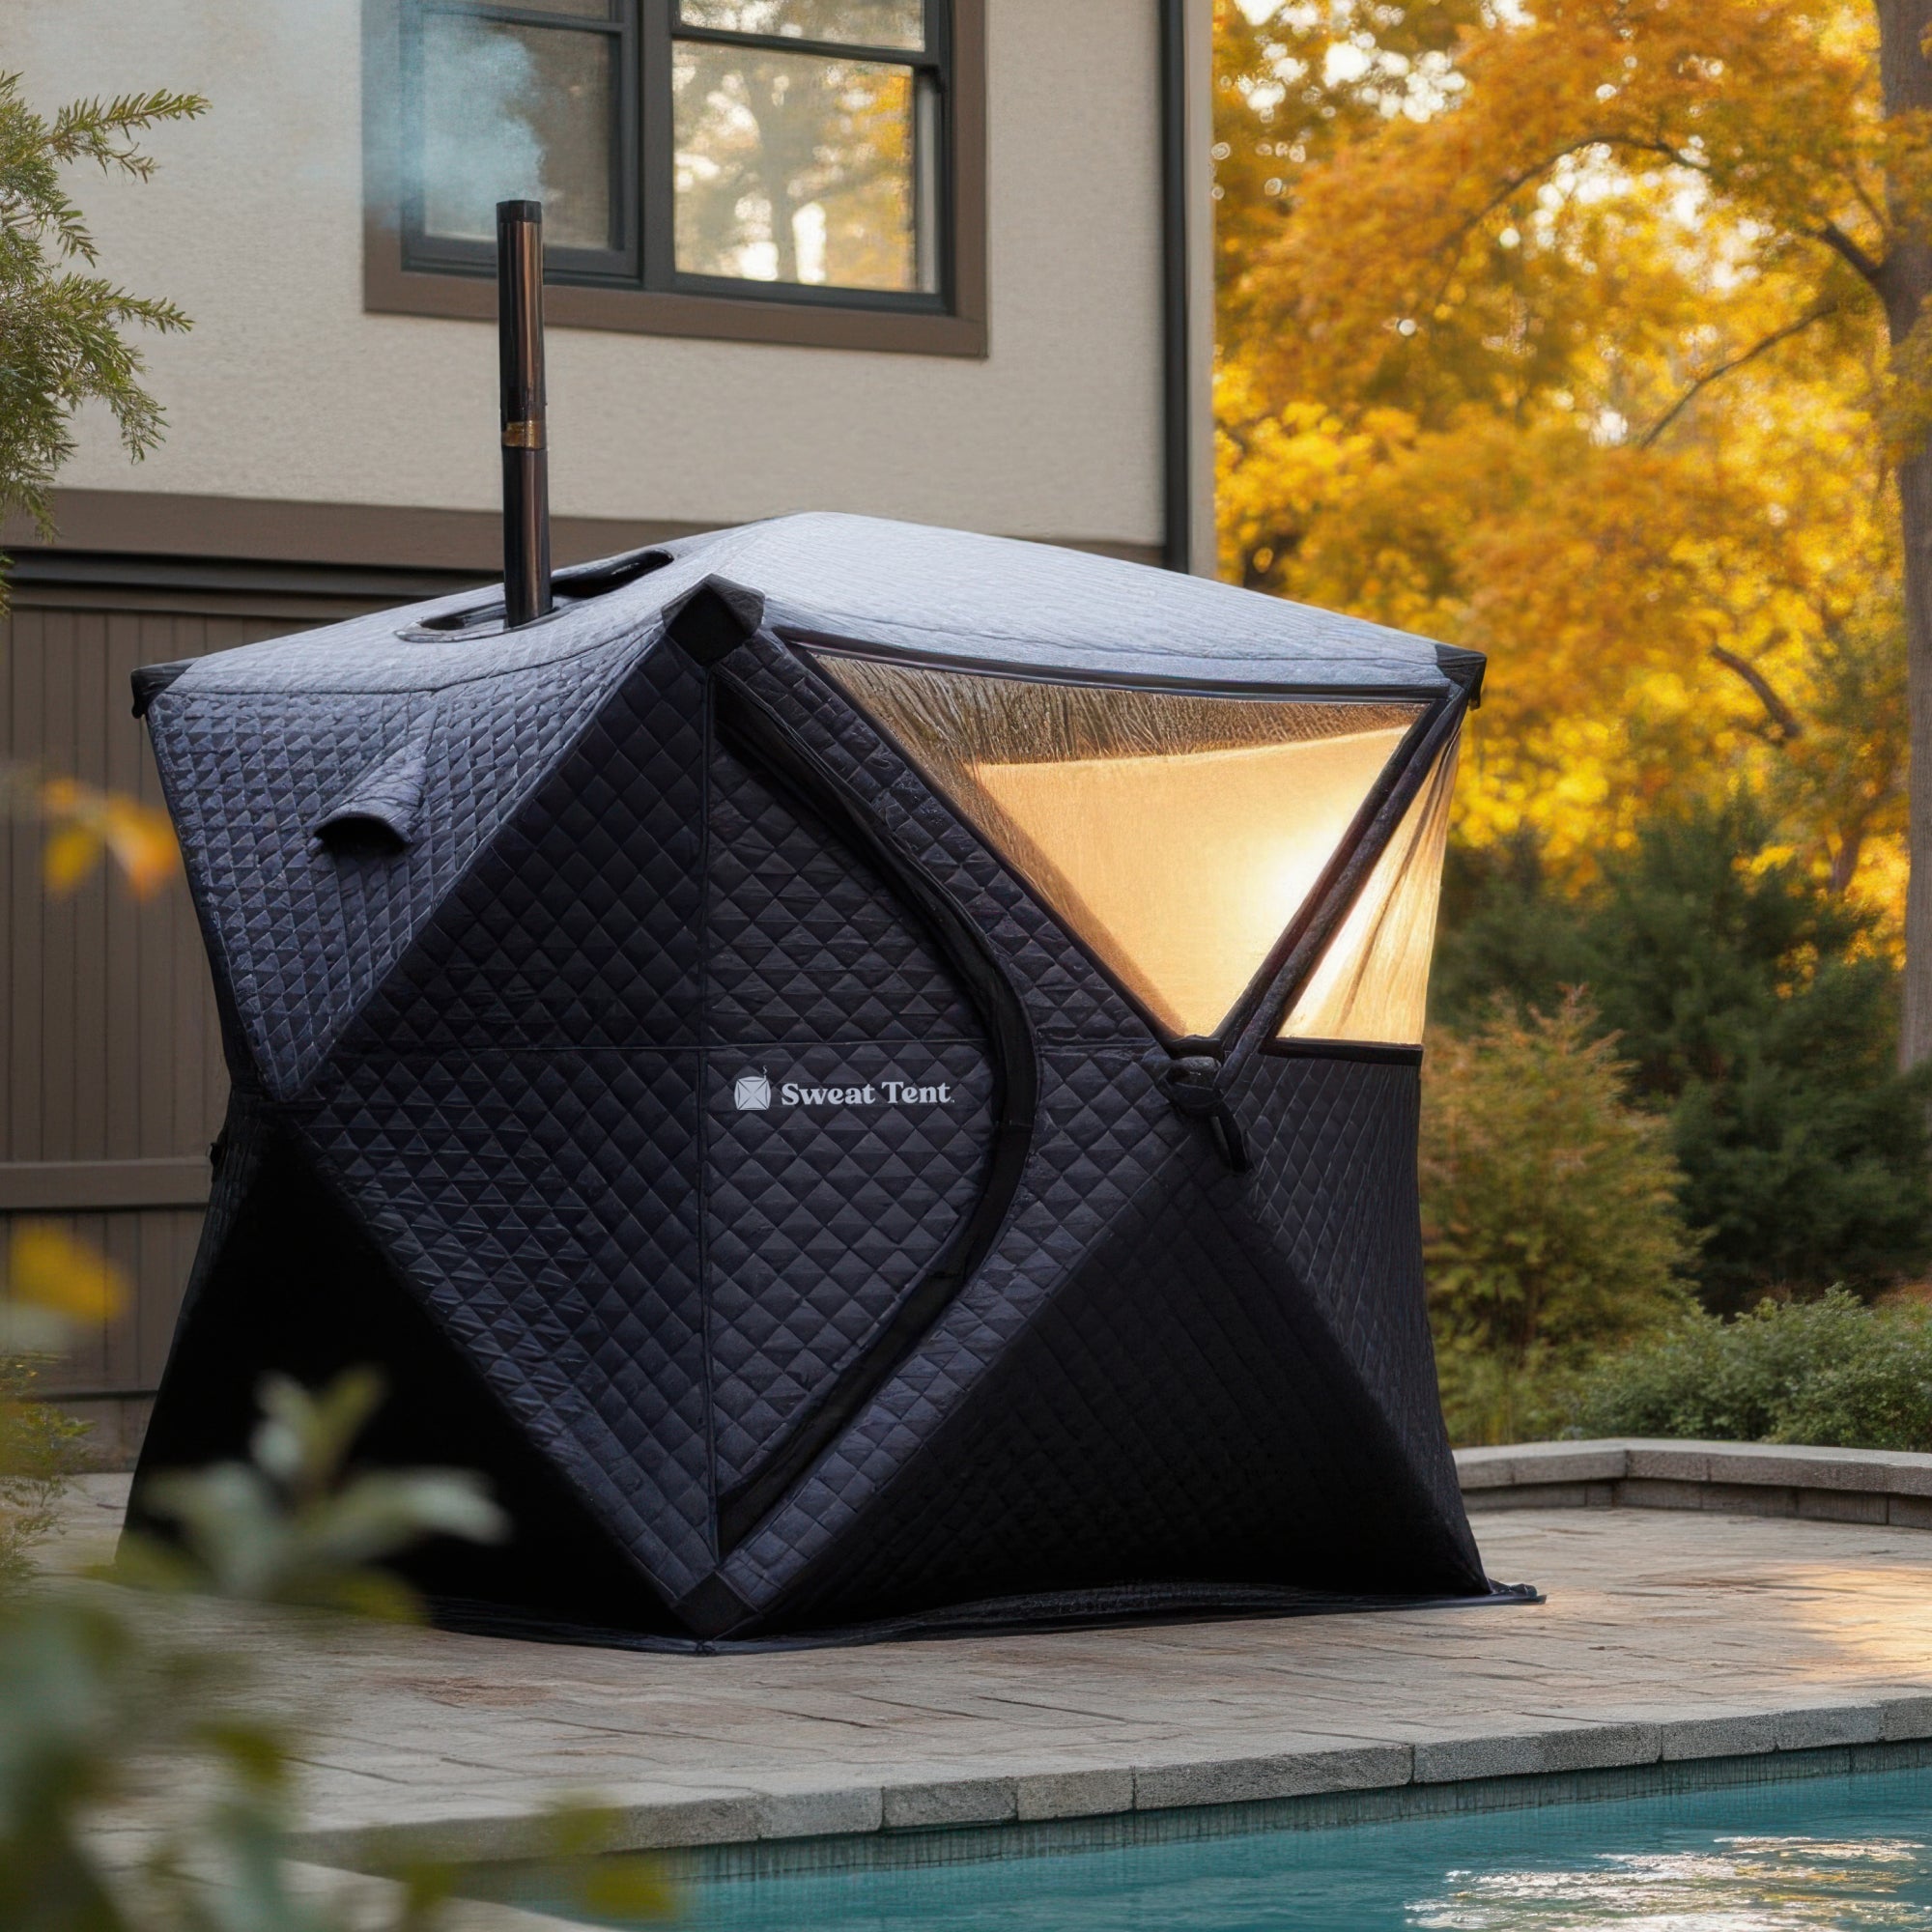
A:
(288, 389)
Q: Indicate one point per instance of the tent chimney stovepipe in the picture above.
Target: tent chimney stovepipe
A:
(520, 351)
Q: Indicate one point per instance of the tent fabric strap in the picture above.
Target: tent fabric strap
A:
(1199, 1083)
(1193, 1084)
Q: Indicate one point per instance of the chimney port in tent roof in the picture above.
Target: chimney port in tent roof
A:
(866, 1076)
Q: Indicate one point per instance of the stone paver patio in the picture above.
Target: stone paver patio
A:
(1666, 1636)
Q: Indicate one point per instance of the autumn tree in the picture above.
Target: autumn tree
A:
(1588, 334)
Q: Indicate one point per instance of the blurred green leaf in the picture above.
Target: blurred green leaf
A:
(294, 1526)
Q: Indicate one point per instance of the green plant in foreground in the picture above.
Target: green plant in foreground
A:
(1832, 1372)
(40, 1449)
(1550, 1219)
(289, 1526)
(109, 1715)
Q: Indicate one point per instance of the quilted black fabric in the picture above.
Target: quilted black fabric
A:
(1177, 1407)
(803, 941)
(638, 1107)
(816, 1222)
(305, 935)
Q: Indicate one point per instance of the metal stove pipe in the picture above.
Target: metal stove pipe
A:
(519, 353)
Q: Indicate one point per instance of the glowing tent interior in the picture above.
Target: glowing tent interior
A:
(865, 1075)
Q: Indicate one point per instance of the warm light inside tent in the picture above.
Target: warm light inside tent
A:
(1177, 834)
(1372, 982)
(1187, 869)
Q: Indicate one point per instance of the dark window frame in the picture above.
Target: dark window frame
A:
(441, 254)
(405, 272)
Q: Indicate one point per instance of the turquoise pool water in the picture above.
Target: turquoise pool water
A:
(1838, 1852)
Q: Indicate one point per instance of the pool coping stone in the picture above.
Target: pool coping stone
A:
(646, 1818)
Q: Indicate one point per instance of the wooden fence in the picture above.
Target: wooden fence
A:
(111, 1079)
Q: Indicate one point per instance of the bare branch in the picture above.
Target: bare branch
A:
(1712, 375)
(1834, 237)
(1784, 720)
(1520, 181)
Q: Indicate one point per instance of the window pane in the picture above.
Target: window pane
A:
(865, 23)
(1178, 835)
(1373, 983)
(793, 168)
(512, 112)
(583, 9)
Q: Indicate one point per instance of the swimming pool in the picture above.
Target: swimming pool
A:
(1846, 1853)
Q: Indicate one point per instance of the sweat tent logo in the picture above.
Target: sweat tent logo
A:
(753, 1094)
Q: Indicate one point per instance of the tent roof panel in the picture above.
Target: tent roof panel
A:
(947, 595)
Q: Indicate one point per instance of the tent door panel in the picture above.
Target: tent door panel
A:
(934, 1176)
(834, 1178)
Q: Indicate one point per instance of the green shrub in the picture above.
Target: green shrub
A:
(1756, 1009)
(1549, 1220)
(40, 1449)
(1832, 1372)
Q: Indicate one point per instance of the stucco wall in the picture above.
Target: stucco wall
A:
(286, 388)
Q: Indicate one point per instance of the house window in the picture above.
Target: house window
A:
(803, 153)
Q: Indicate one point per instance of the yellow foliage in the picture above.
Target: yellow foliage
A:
(1567, 356)
(47, 1268)
(86, 826)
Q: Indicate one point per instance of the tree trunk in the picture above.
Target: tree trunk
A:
(1904, 282)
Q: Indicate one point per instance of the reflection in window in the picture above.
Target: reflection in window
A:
(871, 23)
(1177, 835)
(1372, 982)
(768, 150)
(795, 169)
(511, 111)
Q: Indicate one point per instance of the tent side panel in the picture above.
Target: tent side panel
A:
(1334, 1199)
(516, 1115)
(289, 1285)
(820, 1216)
(1180, 1409)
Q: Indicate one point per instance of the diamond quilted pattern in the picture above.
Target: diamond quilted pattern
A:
(1335, 1193)
(305, 935)
(579, 927)
(1179, 1407)
(1104, 1132)
(545, 1206)
(818, 1217)
(804, 942)
(1121, 1189)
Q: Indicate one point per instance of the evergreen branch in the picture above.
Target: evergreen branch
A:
(87, 129)
(63, 333)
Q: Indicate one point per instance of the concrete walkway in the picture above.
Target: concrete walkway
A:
(1666, 1637)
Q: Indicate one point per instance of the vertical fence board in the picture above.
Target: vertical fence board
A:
(112, 1049)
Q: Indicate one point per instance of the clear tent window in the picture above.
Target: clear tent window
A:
(1179, 836)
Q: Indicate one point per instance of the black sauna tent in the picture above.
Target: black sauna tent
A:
(865, 1075)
